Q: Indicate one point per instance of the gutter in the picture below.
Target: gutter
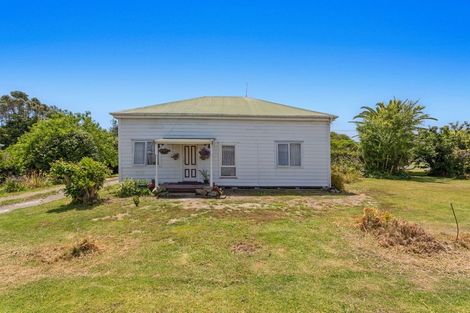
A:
(121, 115)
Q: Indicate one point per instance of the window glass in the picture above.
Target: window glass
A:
(228, 155)
(228, 171)
(295, 154)
(282, 154)
(139, 152)
(228, 161)
(150, 153)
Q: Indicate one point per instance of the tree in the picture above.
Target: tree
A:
(64, 137)
(387, 134)
(345, 151)
(446, 150)
(114, 127)
(18, 113)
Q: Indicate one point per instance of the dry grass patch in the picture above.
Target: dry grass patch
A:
(261, 209)
(248, 248)
(391, 232)
(22, 265)
(55, 254)
(117, 217)
(410, 250)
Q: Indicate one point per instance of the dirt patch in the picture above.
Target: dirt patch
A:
(268, 208)
(248, 248)
(246, 201)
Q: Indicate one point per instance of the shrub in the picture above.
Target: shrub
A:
(133, 187)
(36, 180)
(446, 150)
(373, 219)
(136, 200)
(337, 181)
(13, 184)
(82, 180)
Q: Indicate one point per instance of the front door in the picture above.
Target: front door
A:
(189, 163)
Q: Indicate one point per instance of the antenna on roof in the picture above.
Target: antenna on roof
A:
(246, 90)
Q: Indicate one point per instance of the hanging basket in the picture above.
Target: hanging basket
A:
(164, 150)
(175, 156)
(204, 153)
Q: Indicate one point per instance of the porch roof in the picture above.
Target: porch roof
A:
(195, 141)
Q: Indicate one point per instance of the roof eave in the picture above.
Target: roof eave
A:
(221, 116)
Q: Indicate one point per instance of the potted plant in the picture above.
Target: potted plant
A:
(204, 153)
(205, 176)
(175, 156)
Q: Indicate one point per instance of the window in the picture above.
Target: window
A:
(144, 153)
(228, 168)
(289, 154)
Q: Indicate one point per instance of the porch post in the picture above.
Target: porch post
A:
(156, 163)
(211, 181)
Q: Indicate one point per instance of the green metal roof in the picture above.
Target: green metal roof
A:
(224, 107)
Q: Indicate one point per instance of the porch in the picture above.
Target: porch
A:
(190, 161)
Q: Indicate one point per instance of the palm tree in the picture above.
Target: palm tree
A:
(387, 132)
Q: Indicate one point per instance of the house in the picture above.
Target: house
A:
(235, 141)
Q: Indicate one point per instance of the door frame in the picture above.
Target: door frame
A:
(192, 165)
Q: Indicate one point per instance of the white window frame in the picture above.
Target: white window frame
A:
(145, 141)
(236, 160)
(288, 143)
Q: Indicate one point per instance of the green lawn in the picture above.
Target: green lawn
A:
(256, 251)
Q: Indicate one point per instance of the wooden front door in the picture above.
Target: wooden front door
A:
(189, 163)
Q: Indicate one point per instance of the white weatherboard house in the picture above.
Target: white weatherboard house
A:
(235, 141)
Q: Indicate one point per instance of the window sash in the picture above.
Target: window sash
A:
(228, 155)
(144, 153)
(289, 154)
(228, 161)
(150, 153)
(139, 153)
(295, 154)
(283, 154)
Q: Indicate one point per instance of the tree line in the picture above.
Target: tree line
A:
(42, 143)
(393, 138)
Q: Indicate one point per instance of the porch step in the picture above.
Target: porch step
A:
(182, 187)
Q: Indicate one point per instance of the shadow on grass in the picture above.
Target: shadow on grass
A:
(417, 178)
(74, 206)
(428, 179)
(284, 192)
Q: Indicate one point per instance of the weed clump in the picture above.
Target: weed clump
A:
(392, 232)
(83, 248)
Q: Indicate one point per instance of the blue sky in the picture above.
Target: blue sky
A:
(332, 56)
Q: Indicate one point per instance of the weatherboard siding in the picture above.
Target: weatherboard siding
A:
(255, 150)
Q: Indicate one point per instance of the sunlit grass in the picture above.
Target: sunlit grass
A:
(178, 256)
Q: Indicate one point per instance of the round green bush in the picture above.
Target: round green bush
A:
(82, 180)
